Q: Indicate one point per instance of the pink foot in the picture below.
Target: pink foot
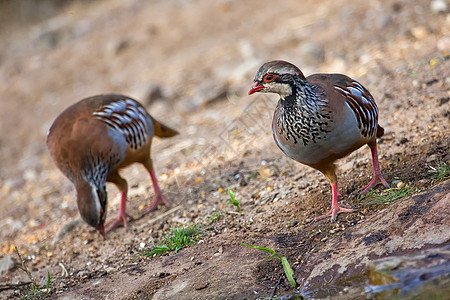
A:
(334, 212)
(376, 180)
(377, 177)
(121, 220)
(159, 199)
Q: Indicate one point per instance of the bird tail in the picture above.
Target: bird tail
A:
(162, 130)
(380, 131)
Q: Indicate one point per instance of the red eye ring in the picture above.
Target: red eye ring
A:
(269, 77)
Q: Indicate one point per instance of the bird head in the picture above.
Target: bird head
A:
(92, 203)
(278, 77)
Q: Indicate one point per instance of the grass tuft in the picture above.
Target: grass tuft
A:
(389, 196)
(34, 291)
(178, 239)
(214, 216)
(441, 172)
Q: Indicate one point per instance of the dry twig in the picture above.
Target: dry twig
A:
(25, 268)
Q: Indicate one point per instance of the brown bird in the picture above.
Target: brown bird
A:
(320, 119)
(93, 139)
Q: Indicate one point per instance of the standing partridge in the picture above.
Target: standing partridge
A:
(93, 139)
(320, 119)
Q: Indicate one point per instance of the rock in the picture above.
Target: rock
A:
(389, 274)
(443, 44)
(153, 94)
(12, 226)
(66, 229)
(7, 263)
(312, 53)
(431, 158)
(347, 166)
(302, 184)
(438, 6)
(51, 33)
(416, 223)
(243, 71)
(122, 45)
(419, 32)
(206, 94)
(11, 184)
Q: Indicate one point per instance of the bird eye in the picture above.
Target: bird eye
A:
(269, 77)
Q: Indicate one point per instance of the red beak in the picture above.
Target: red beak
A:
(255, 88)
(101, 230)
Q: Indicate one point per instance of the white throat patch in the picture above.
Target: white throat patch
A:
(97, 206)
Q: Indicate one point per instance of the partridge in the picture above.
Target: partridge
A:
(321, 118)
(93, 139)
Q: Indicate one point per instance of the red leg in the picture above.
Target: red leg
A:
(335, 208)
(159, 199)
(122, 219)
(377, 177)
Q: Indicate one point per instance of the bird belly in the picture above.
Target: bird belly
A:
(335, 144)
(309, 154)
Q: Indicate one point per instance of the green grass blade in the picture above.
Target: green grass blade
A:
(288, 271)
(268, 250)
(233, 200)
(49, 282)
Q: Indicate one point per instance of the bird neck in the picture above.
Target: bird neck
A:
(303, 116)
(95, 171)
(303, 97)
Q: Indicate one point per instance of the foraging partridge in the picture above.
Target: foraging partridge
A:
(320, 119)
(94, 138)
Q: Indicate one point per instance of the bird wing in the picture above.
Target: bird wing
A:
(128, 117)
(356, 96)
(363, 105)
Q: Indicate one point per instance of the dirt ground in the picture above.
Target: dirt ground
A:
(191, 64)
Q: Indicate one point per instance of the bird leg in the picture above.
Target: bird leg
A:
(123, 186)
(159, 199)
(335, 208)
(377, 177)
(123, 215)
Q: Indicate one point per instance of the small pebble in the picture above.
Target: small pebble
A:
(201, 286)
(438, 6)
(97, 283)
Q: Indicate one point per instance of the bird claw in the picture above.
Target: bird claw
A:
(122, 219)
(159, 199)
(376, 180)
(335, 210)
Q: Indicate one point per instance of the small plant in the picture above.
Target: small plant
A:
(286, 266)
(215, 216)
(178, 239)
(48, 284)
(34, 292)
(391, 195)
(233, 200)
(441, 172)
